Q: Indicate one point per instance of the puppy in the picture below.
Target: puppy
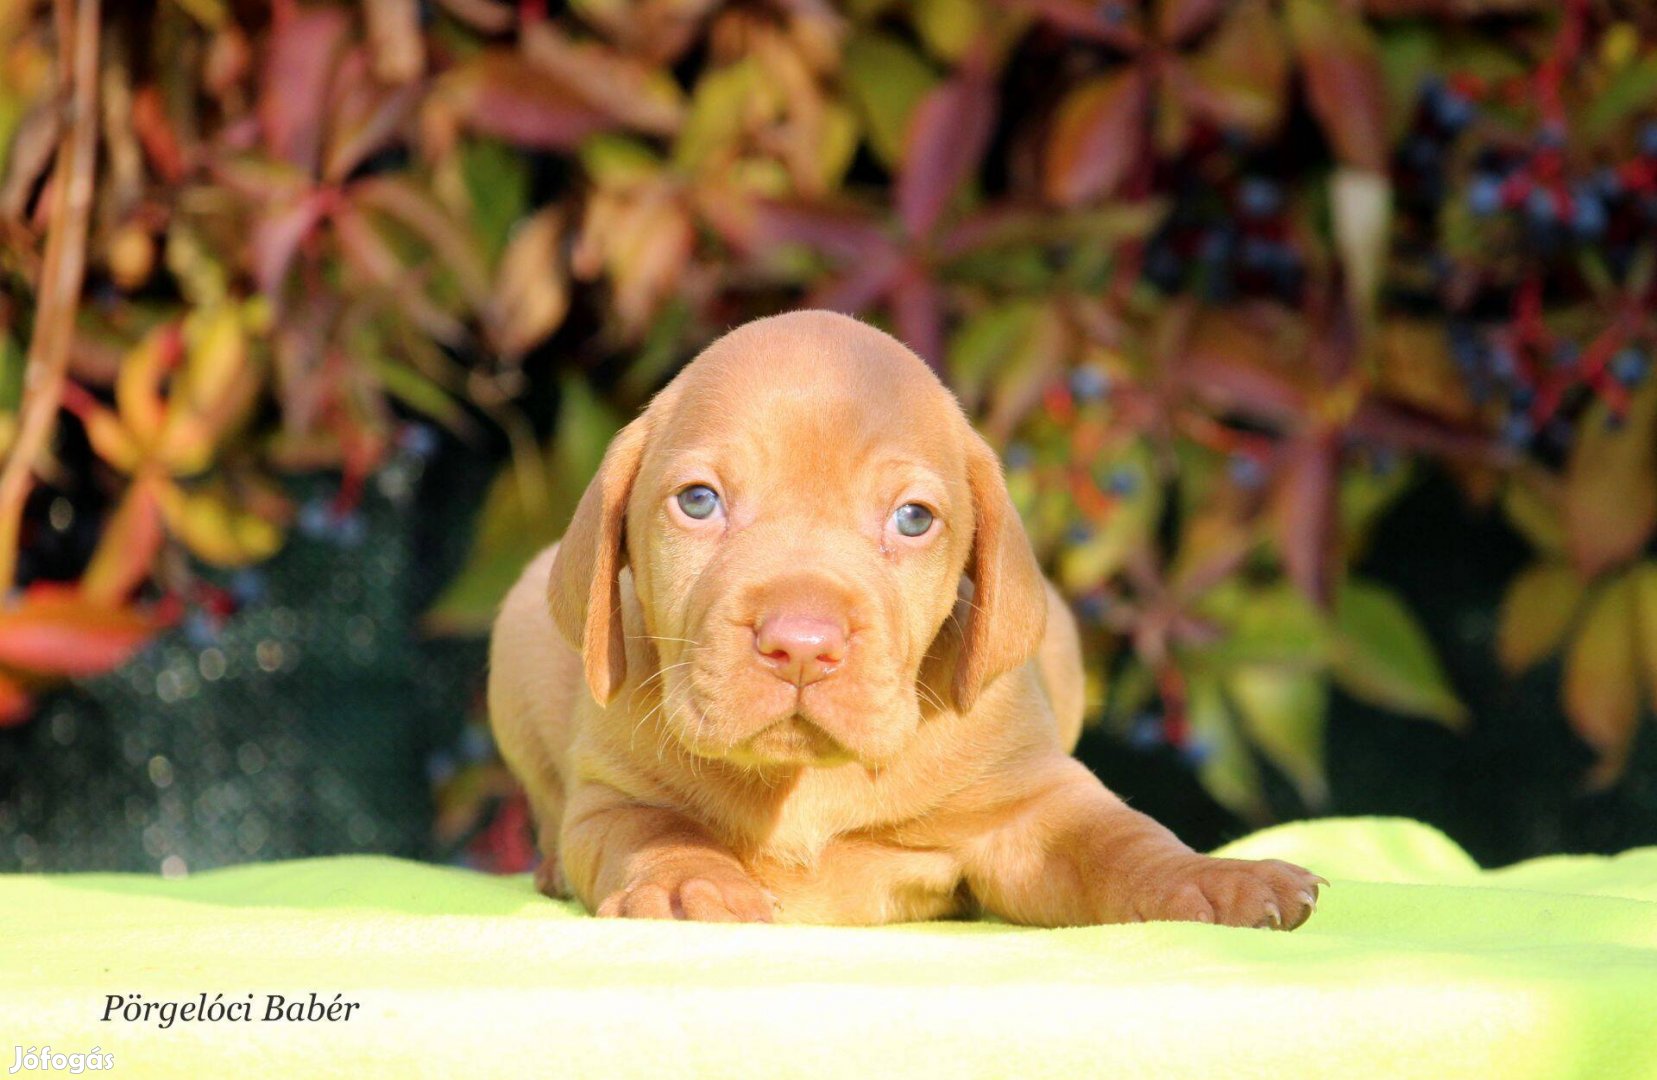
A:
(794, 660)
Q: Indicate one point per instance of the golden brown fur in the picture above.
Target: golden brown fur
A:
(794, 710)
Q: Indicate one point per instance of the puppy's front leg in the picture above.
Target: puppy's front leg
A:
(627, 860)
(1070, 853)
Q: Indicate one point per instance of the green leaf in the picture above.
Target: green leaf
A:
(948, 27)
(1275, 624)
(886, 80)
(1631, 91)
(1383, 657)
(526, 508)
(613, 160)
(1538, 609)
(1227, 770)
(1283, 713)
(11, 374)
(983, 343)
(497, 182)
(719, 107)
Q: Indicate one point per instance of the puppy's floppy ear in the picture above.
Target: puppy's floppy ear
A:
(584, 589)
(1009, 602)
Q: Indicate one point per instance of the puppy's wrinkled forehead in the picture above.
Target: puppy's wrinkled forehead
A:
(795, 390)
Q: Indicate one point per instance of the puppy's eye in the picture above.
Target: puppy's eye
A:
(912, 519)
(699, 501)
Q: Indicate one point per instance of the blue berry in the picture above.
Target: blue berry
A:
(1196, 752)
(1504, 364)
(1258, 197)
(1588, 215)
(1093, 606)
(418, 440)
(1079, 533)
(200, 630)
(1518, 431)
(316, 519)
(1121, 482)
(1484, 195)
(1539, 204)
(247, 587)
(1629, 367)
(1648, 139)
(1245, 472)
(1146, 732)
(350, 530)
(1090, 383)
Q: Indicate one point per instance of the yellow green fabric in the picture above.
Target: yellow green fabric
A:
(1416, 964)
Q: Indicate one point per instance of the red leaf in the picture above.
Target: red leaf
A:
(1307, 513)
(1114, 22)
(918, 315)
(1344, 80)
(293, 106)
(1096, 138)
(55, 632)
(1178, 21)
(947, 138)
(840, 235)
(1405, 427)
(277, 236)
(502, 94)
(156, 135)
(14, 702)
(859, 287)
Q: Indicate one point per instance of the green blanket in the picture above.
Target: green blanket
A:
(1416, 964)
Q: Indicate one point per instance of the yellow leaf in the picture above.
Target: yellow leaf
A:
(128, 545)
(1644, 577)
(532, 288)
(217, 532)
(1602, 691)
(1611, 484)
(217, 345)
(1538, 609)
(138, 383)
(110, 439)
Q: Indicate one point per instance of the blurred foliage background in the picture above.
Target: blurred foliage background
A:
(1316, 335)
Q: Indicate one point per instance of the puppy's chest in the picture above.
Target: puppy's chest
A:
(830, 863)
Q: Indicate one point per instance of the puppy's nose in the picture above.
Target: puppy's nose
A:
(800, 649)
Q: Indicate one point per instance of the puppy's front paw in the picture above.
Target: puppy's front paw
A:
(1270, 894)
(708, 893)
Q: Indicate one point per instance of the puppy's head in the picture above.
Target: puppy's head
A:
(802, 511)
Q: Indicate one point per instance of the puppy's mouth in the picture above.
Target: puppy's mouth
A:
(793, 740)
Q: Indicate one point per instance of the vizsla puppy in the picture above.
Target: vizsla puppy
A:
(794, 660)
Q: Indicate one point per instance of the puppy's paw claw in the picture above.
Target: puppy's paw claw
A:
(1268, 895)
(718, 895)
